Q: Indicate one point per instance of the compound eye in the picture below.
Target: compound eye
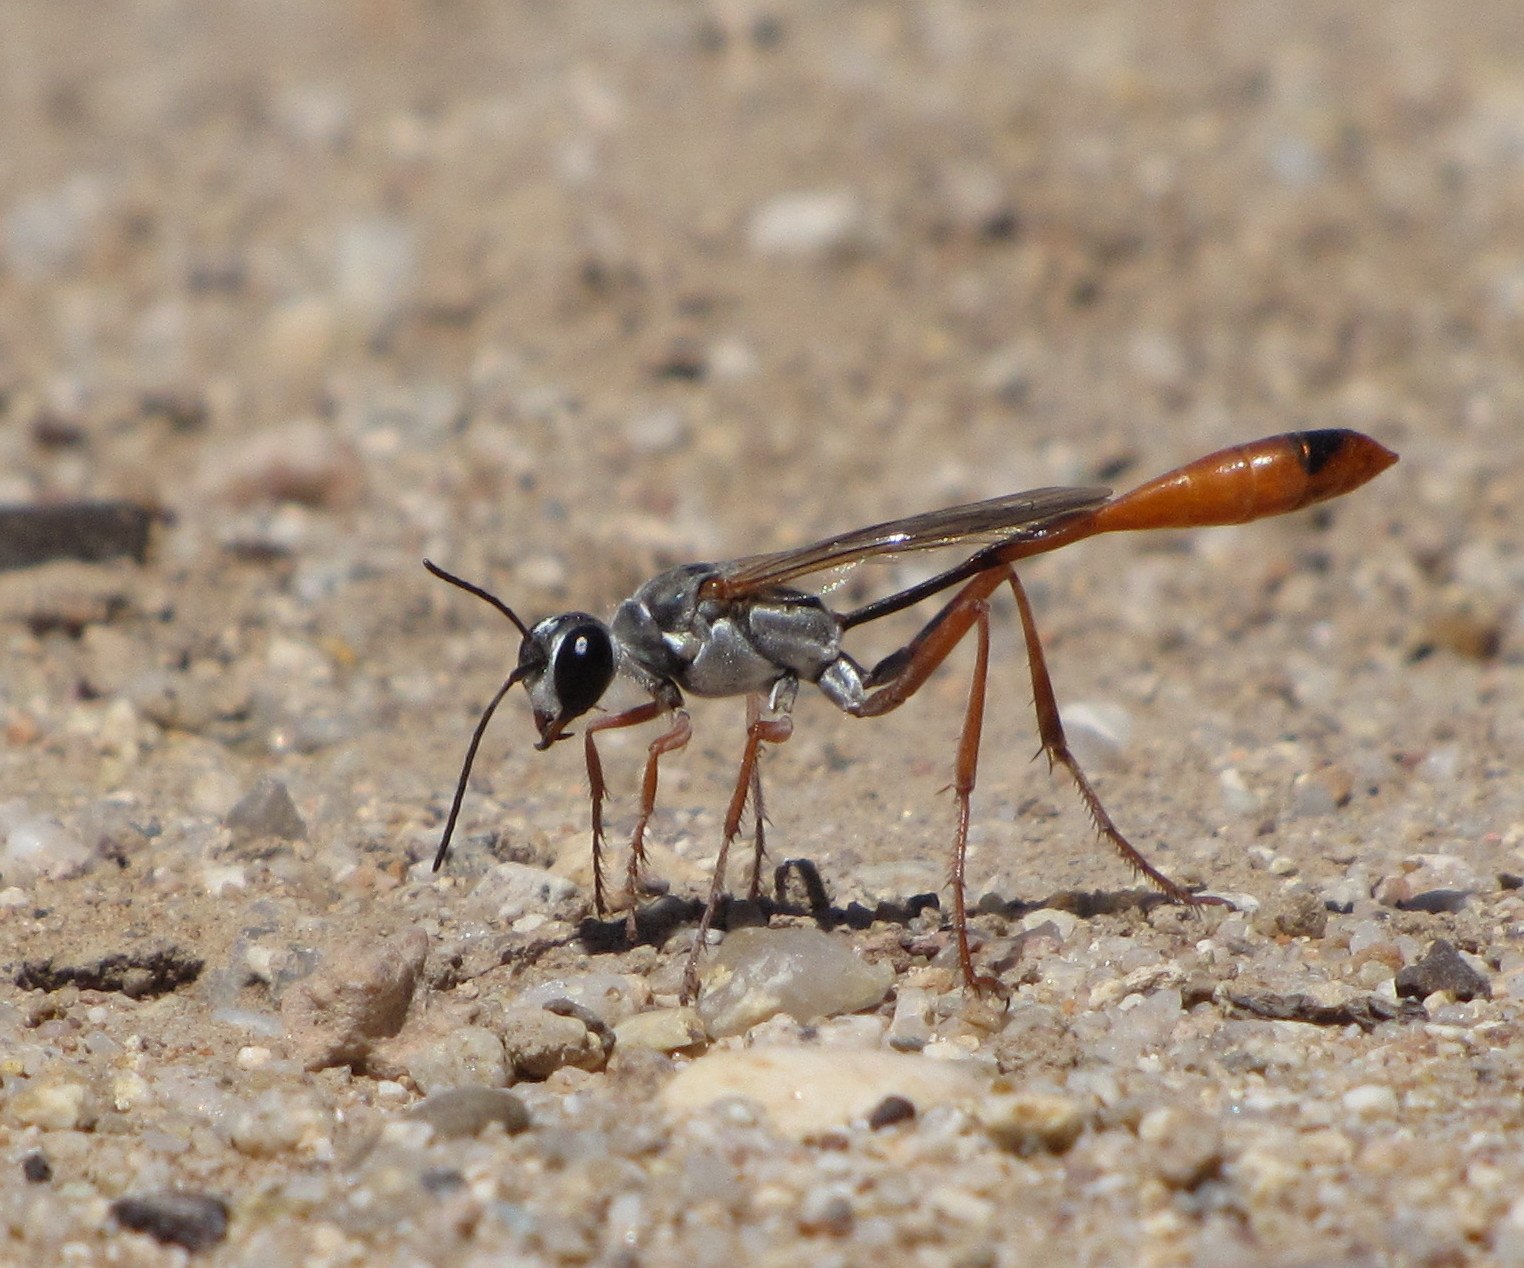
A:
(583, 668)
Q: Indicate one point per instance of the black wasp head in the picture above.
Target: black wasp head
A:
(566, 664)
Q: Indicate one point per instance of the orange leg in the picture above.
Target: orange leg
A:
(674, 738)
(759, 830)
(748, 781)
(964, 771)
(1056, 746)
(970, 608)
(902, 673)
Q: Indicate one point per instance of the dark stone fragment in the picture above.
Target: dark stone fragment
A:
(36, 1167)
(193, 1220)
(1436, 901)
(442, 1180)
(1443, 968)
(1367, 1012)
(87, 531)
(892, 1109)
(138, 974)
(185, 411)
(684, 362)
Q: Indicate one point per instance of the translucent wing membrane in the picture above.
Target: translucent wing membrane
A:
(973, 524)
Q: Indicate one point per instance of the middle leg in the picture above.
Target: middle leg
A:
(759, 730)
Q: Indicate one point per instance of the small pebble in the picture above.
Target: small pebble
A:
(1028, 1123)
(889, 1111)
(656, 431)
(375, 259)
(1099, 732)
(806, 1092)
(467, 1056)
(253, 1058)
(509, 891)
(266, 810)
(39, 845)
(1237, 797)
(539, 1042)
(47, 230)
(910, 1028)
(1138, 1025)
(1184, 1147)
(806, 224)
(808, 974)
(465, 1111)
(825, 1211)
(661, 1030)
(276, 1122)
(355, 997)
(175, 701)
(53, 1105)
(1320, 792)
(1370, 1099)
(1298, 912)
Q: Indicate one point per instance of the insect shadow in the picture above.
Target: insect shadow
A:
(800, 891)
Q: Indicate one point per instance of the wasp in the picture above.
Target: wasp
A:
(745, 628)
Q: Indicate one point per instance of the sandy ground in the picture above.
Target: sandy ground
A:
(559, 296)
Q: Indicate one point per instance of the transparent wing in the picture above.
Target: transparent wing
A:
(1016, 515)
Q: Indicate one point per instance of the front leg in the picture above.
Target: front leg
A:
(598, 788)
(674, 738)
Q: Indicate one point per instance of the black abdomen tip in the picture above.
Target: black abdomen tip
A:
(1319, 448)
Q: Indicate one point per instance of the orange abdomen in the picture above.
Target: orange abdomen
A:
(1249, 482)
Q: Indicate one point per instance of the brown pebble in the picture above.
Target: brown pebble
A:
(891, 1110)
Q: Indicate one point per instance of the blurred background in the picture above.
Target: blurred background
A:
(714, 268)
